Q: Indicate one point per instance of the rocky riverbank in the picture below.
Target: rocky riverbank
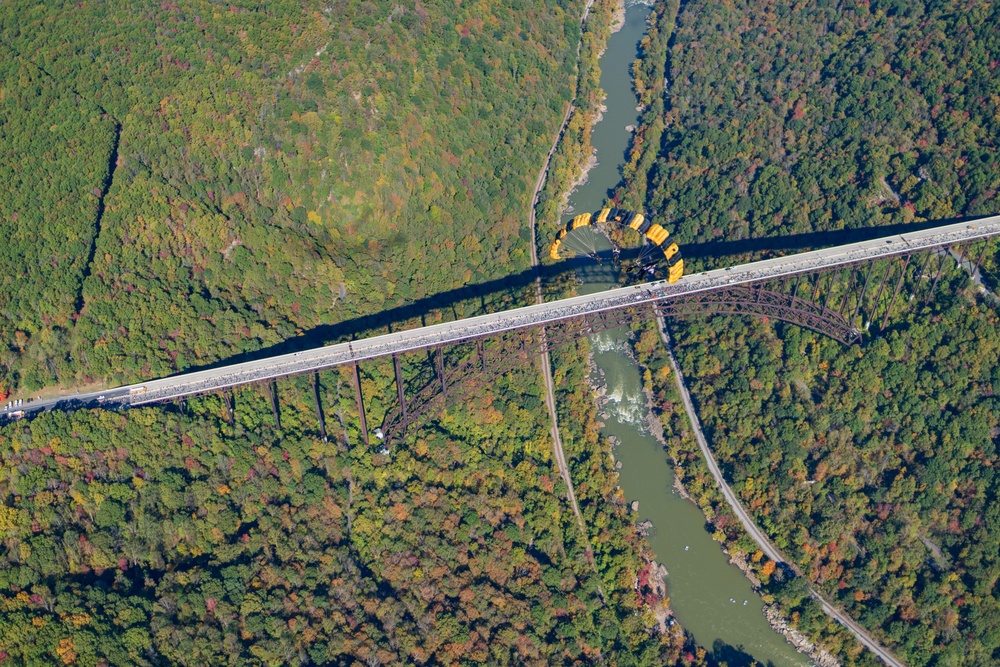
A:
(779, 623)
(801, 643)
(652, 583)
(617, 19)
(617, 23)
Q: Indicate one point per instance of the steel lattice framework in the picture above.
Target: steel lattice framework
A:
(496, 356)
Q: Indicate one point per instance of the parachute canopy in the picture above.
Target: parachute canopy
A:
(661, 254)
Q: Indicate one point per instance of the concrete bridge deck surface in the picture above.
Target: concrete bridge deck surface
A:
(329, 356)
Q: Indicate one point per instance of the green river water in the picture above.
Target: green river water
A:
(706, 593)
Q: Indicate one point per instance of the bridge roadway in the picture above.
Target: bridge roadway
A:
(329, 356)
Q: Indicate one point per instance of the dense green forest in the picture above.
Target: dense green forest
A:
(280, 167)
(55, 149)
(193, 181)
(159, 536)
(780, 121)
(872, 467)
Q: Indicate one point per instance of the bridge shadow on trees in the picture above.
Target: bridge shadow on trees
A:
(496, 295)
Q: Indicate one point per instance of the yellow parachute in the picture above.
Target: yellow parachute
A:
(668, 254)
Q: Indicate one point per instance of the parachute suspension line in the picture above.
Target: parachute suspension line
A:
(644, 252)
(583, 243)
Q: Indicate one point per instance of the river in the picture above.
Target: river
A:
(711, 598)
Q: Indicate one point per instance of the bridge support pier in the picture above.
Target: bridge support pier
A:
(272, 388)
(864, 291)
(878, 298)
(400, 390)
(834, 278)
(944, 258)
(981, 255)
(850, 290)
(227, 396)
(439, 363)
(361, 403)
(923, 267)
(319, 406)
(892, 301)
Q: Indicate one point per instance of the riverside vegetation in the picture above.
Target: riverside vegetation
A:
(872, 468)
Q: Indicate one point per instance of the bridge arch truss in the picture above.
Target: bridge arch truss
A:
(841, 303)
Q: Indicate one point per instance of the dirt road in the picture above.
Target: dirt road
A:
(550, 398)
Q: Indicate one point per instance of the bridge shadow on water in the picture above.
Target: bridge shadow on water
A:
(731, 656)
(496, 295)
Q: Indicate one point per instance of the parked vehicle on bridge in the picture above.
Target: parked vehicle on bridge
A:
(137, 390)
(657, 255)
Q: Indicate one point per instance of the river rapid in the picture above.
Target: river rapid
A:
(711, 598)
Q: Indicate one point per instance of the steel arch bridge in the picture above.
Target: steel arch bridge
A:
(818, 302)
(838, 292)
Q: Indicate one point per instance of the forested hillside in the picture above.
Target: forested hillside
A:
(218, 178)
(157, 537)
(872, 467)
(833, 115)
(55, 149)
(280, 166)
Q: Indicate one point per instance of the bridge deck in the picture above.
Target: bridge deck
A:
(451, 332)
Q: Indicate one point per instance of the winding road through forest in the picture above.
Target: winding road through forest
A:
(751, 528)
(546, 363)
